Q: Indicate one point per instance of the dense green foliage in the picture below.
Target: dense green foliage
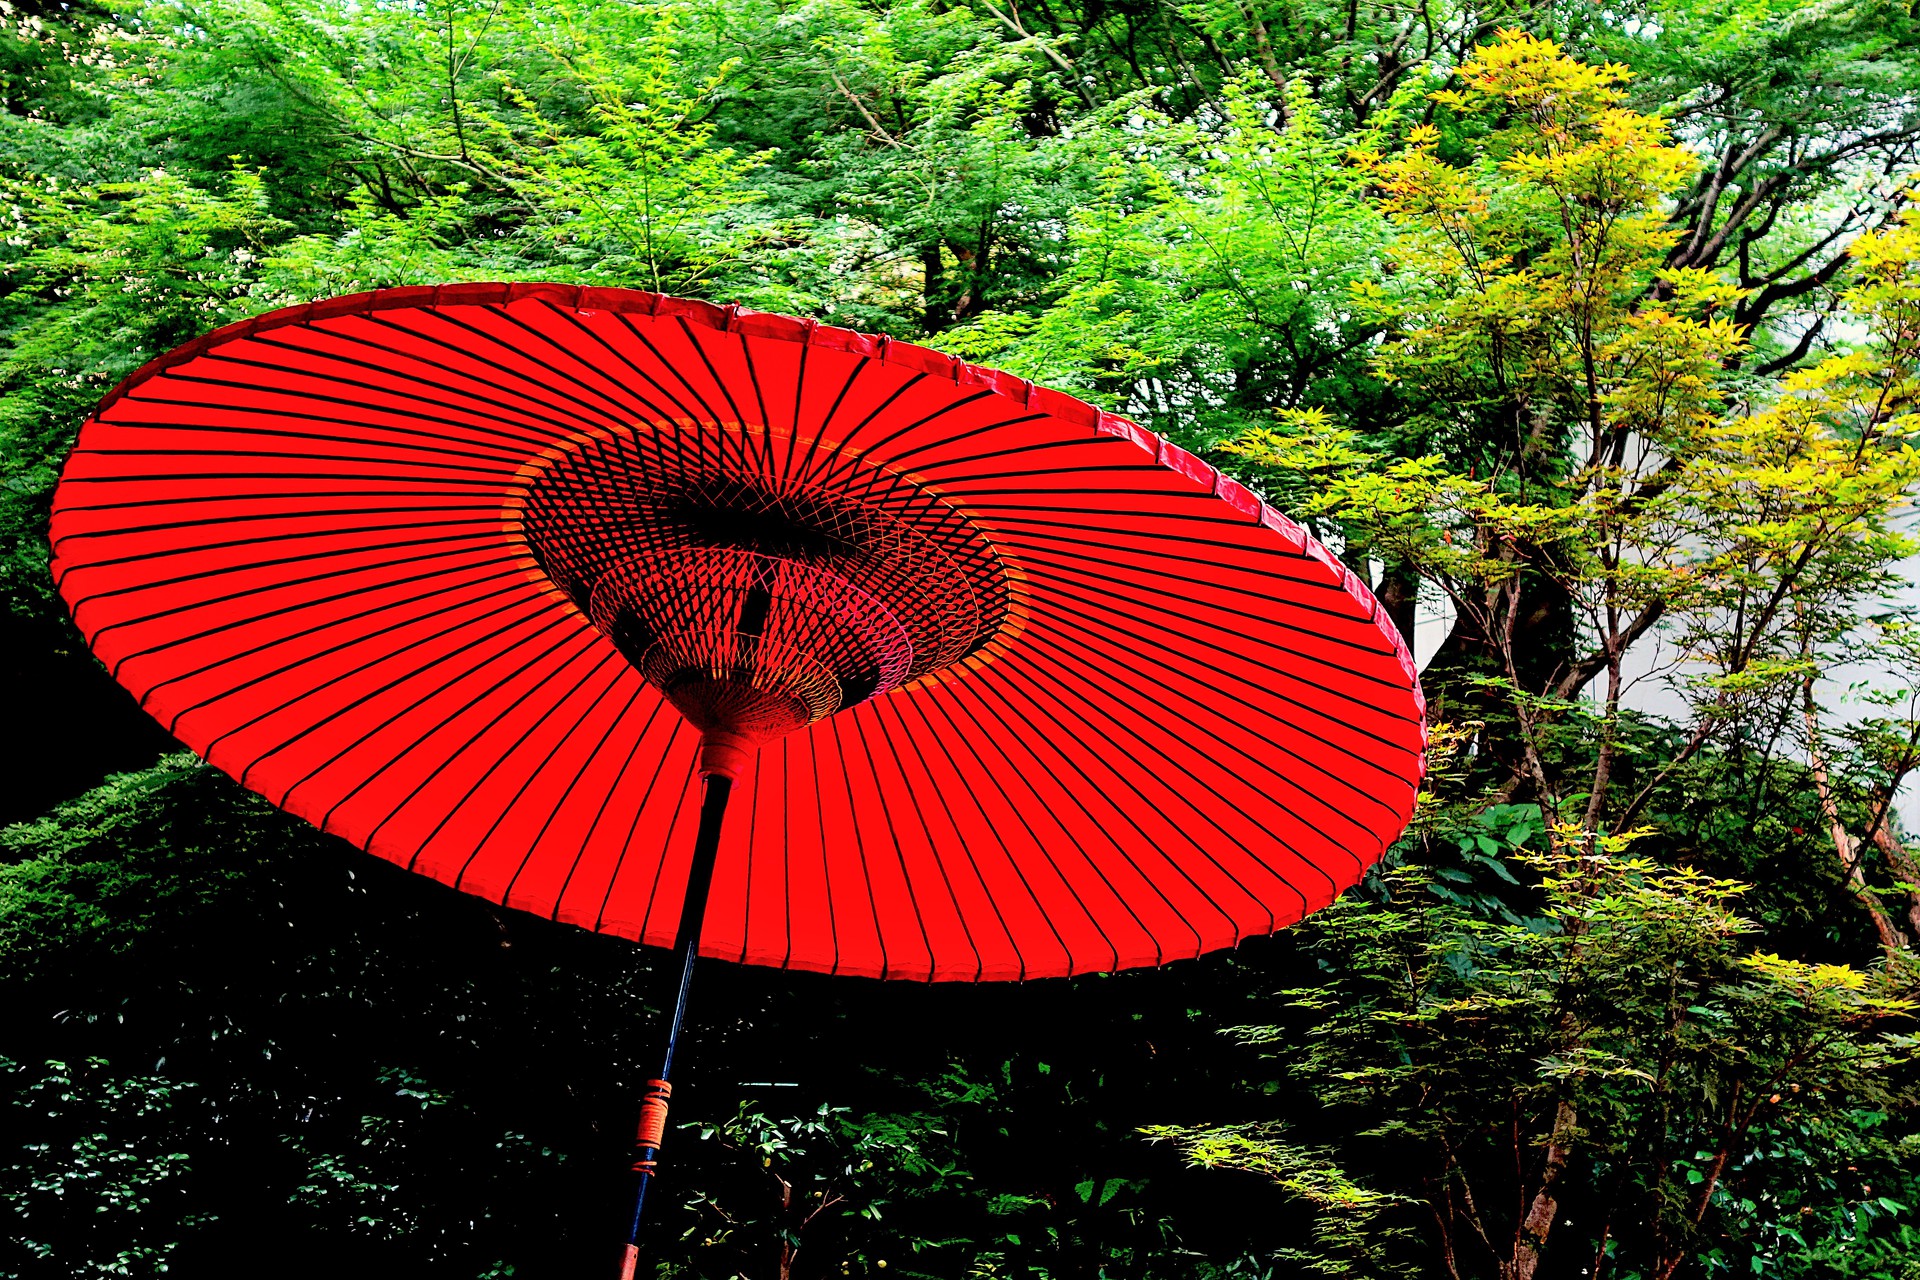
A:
(1593, 338)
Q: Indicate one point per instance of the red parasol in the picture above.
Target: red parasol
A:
(484, 577)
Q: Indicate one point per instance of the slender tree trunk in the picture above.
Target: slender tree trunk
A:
(1263, 49)
(786, 1239)
(1530, 1239)
(1609, 732)
(1844, 845)
(1676, 1253)
(936, 308)
(1399, 593)
(1904, 869)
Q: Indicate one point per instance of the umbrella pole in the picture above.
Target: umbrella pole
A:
(653, 1105)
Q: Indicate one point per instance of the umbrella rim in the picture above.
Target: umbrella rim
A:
(736, 319)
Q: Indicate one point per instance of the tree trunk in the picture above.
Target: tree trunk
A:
(1844, 845)
(1904, 870)
(1530, 1239)
(936, 308)
(1399, 592)
(1542, 650)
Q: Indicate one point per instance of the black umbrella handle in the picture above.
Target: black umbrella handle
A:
(653, 1105)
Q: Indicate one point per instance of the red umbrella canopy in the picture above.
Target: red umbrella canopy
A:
(1009, 687)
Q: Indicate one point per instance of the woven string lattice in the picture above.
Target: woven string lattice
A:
(761, 585)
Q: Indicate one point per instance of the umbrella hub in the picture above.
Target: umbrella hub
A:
(761, 589)
(748, 644)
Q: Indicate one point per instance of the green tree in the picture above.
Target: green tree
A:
(1595, 1082)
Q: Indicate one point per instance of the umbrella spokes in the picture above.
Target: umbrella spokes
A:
(760, 586)
(750, 644)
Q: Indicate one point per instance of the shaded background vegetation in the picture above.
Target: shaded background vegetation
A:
(1464, 335)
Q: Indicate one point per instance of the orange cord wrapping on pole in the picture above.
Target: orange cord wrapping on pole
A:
(653, 1123)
